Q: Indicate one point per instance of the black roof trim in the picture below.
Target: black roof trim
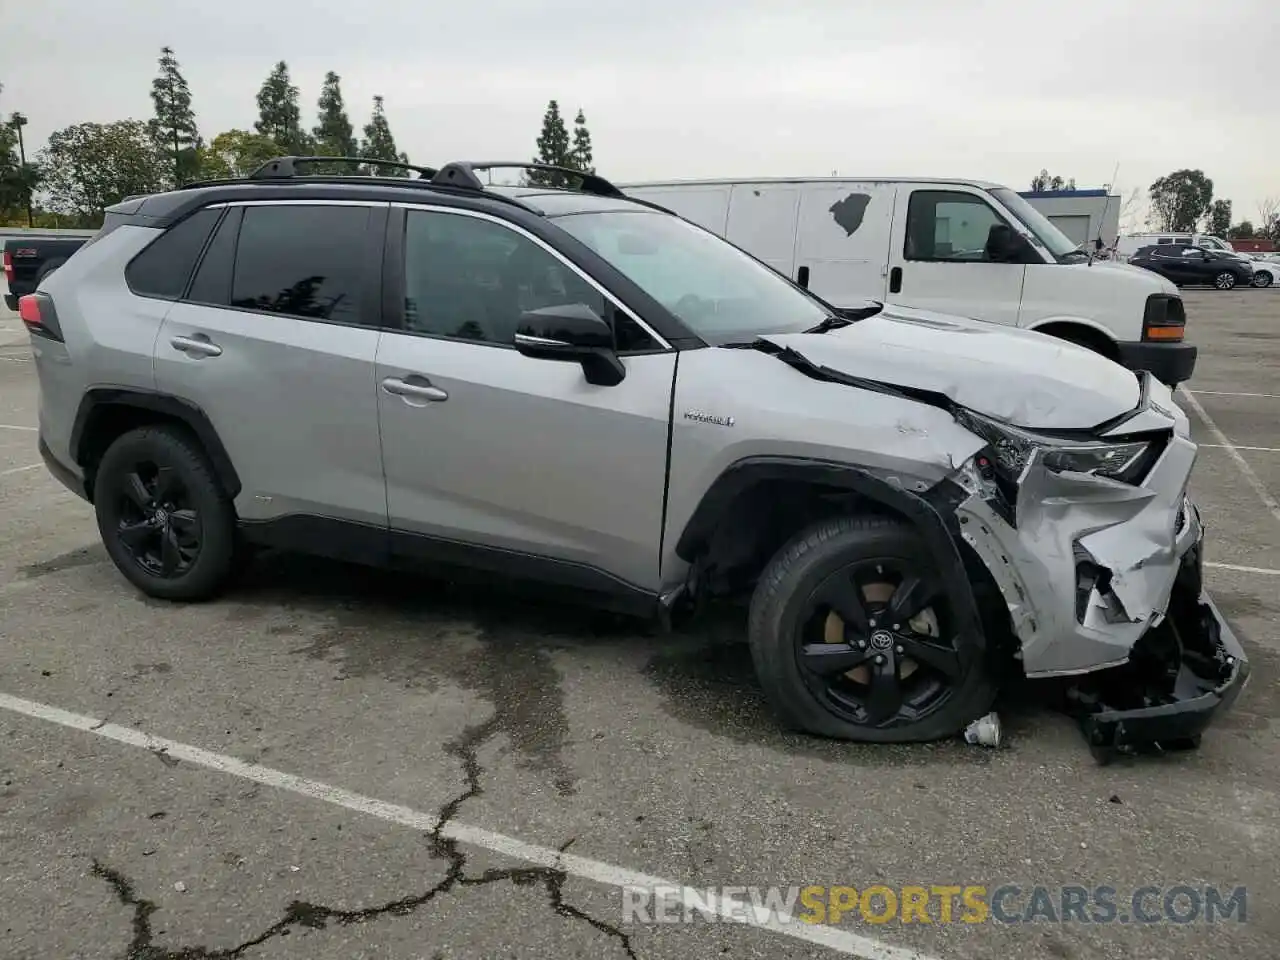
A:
(462, 173)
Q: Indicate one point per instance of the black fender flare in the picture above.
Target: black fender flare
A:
(99, 400)
(931, 511)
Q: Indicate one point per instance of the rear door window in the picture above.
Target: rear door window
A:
(303, 261)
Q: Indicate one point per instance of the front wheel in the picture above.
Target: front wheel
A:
(853, 638)
(1225, 280)
(1262, 279)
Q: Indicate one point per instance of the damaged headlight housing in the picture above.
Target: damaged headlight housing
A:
(1013, 448)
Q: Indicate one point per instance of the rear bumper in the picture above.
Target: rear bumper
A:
(1183, 674)
(61, 472)
(1170, 363)
(11, 302)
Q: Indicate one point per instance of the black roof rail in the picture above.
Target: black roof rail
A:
(287, 166)
(461, 173)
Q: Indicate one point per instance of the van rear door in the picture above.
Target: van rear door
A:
(938, 259)
(762, 221)
(843, 239)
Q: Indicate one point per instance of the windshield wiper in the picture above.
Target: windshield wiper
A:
(832, 322)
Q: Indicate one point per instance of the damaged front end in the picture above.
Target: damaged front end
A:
(1097, 551)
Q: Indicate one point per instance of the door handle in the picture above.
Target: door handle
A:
(416, 391)
(197, 346)
(895, 280)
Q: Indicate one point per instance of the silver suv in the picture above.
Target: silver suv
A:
(586, 391)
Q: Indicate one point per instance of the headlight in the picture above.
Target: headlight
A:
(1014, 448)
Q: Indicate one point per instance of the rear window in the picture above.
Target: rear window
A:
(163, 269)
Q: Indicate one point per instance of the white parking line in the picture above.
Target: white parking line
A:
(1218, 446)
(14, 426)
(841, 941)
(1237, 568)
(1227, 393)
(1246, 471)
(11, 472)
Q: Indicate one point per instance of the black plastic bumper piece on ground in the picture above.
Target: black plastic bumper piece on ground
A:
(1181, 675)
(11, 302)
(1170, 363)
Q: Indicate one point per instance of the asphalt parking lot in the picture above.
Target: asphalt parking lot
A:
(267, 775)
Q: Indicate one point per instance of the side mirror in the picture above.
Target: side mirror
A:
(572, 332)
(1004, 245)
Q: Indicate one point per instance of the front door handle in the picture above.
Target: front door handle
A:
(197, 346)
(413, 391)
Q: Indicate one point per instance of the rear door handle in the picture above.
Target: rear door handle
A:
(413, 391)
(197, 346)
(895, 280)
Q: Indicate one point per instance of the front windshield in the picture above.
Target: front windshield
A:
(714, 288)
(1055, 241)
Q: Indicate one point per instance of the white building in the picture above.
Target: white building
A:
(1083, 215)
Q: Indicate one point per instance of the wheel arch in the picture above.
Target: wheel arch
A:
(107, 412)
(757, 504)
(1079, 330)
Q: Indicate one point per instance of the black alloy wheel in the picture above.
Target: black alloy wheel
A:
(159, 523)
(853, 636)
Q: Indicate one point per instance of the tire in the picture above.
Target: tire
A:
(135, 523)
(1225, 280)
(781, 635)
(1261, 278)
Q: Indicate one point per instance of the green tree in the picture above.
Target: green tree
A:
(279, 116)
(379, 144)
(17, 177)
(175, 121)
(333, 134)
(1241, 231)
(580, 154)
(90, 166)
(1042, 182)
(1180, 200)
(1217, 221)
(236, 153)
(553, 148)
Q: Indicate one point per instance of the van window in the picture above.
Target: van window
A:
(946, 225)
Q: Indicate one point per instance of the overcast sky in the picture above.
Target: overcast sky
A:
(692, 88)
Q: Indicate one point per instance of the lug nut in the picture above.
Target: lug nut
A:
(897, 649)
(897, 626)
(879, 659)
(871, 622)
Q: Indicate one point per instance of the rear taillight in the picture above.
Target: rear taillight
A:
(8, 267)
(39, 316)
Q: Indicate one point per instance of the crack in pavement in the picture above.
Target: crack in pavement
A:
(318, 916)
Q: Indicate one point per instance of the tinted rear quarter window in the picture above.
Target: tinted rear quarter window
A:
(303, 261)
(163, 268)
(212, 283)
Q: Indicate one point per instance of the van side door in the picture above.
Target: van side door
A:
(843, 239)
(941, 256)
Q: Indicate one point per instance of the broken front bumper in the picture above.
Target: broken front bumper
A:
(1181, 674)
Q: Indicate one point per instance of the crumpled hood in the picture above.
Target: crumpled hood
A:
(1028, 379)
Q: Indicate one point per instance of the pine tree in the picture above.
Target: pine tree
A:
(174, 126)
(334, 136)
(279, 116)
(553, 148)
(581, 152)
(379, 144)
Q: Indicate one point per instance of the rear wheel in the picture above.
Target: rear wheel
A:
(853, 638)
(1225, 280)
(164, 519)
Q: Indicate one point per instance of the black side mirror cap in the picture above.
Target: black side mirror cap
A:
(572, 332)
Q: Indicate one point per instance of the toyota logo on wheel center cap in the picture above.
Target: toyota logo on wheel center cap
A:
(882, 640)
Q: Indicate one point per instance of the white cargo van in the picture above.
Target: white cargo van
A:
(952, 246)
